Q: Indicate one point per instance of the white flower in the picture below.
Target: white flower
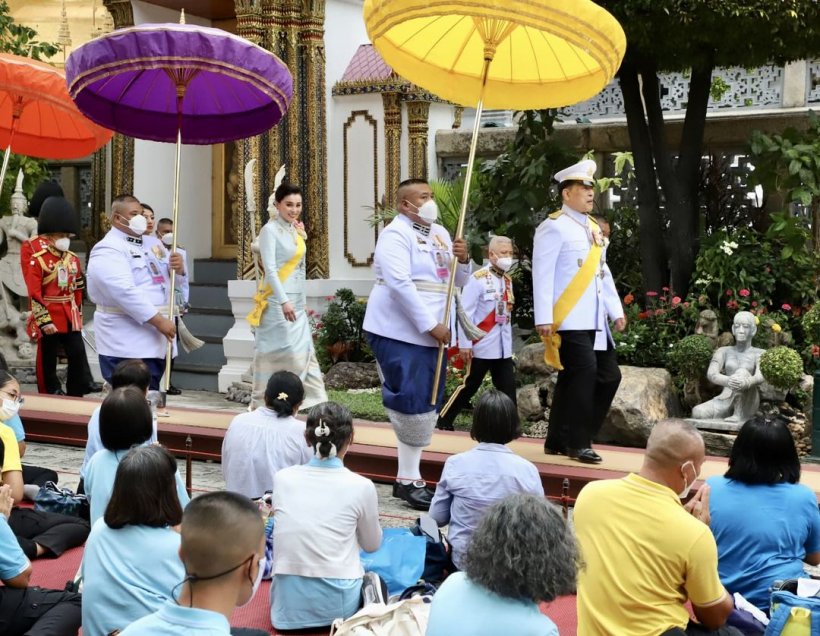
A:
(728, 247)
(702, 281)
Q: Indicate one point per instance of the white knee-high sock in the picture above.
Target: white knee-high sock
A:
(409, 463)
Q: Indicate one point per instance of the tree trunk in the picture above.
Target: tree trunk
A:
(653, 254)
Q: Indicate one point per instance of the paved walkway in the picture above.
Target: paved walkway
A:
(205, 476)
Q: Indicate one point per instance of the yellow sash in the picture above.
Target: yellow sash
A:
(568, 299)
(260, 299)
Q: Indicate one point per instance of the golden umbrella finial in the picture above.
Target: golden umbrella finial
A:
(508, 54)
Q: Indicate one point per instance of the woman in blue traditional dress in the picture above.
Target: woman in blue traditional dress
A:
(283, 338)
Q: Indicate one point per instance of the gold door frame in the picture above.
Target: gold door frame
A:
(225, 188)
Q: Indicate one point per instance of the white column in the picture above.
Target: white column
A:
(794, 84)
(239, 341)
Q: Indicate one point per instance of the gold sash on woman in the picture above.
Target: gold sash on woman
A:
(260, 299)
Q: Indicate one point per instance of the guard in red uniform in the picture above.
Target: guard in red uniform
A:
(55, 283)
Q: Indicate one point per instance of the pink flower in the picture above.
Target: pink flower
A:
(754, 303)
(686, 305)
(665, 288)
(659, 312)
(329, 297)
(676, 300)
(651, 293)
(728, 292)
(786, 307)
(732, 304)
(745, 293)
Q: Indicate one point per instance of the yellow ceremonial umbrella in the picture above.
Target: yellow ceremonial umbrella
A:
(511, 54)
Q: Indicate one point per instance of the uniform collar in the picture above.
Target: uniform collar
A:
(134, 240)
(418, 228)
(575, 215)
(493, 269)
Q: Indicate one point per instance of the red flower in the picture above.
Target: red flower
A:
(643, 315)
(754, 303)
(676, 300)
(652, 293)
(686, 305)
(728, 292)
(732, 304)
(665, 288)
(629, 299)
(745, 293)
(815, 351)
(786, 307)
(659, 312)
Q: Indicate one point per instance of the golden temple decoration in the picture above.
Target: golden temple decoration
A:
(418, 113)
(392, 148)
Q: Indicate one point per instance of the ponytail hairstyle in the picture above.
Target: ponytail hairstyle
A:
(284, 393)
(329, 428)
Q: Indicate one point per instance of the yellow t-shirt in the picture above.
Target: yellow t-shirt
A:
(645, 556)
(11, 457)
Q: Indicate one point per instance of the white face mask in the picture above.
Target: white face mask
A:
(9, 409)
(138, 224)
(62, 244)
(504, 263)
(683, 494)
(428, 211)
(168, 239)
(257, 582)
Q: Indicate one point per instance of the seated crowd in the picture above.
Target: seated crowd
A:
(157, 562)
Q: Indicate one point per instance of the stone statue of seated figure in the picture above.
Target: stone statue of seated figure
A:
(737, 370)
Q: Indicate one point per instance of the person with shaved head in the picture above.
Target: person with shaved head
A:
(222, 550)
(488, 300)
(646, 554)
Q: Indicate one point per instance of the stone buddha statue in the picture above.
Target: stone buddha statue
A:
(737, 369)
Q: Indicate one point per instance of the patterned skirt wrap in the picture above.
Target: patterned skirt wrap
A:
(282, 345)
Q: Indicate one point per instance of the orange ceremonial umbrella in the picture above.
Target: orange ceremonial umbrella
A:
(37, 116)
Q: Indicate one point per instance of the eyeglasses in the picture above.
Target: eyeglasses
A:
(16, 397)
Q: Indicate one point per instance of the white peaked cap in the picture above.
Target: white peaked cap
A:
(583, 171)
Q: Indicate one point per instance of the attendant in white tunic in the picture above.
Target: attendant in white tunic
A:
(129, 280)
(587, 384)
(131, 562)
(284, 341)
(324, 515)
(488, 301)
(403, 325)
(259, 444)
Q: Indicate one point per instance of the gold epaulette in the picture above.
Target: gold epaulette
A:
(556, 214)
(482, 273)
(40, 253)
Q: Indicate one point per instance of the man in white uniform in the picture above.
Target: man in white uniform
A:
(130, 283)
(488, 301)
(165, 234)
(403, 325)
(574, 296)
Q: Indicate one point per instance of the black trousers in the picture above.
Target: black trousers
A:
(34, 611)
(37, 475)
(502, 372)
(583, 393)
(55, 532)
(696, 629)
(78, 375)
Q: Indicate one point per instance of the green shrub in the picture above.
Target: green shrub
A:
(782, 367)
(338, 334)
(811, 325)
(690, 356)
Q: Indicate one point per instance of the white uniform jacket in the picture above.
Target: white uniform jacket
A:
(128, 279)
(480, 297)
(405, 256)
(561, 247)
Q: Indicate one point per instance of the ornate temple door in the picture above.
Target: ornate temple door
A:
(226, 201)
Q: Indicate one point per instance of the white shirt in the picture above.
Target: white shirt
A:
(561, 247)
(128, 279)
(324, 515)
(480, 296)
(396, 308)
(259, 444)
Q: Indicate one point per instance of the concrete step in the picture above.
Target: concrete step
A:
(212, 271)
(209, 324)
(210, 354)
(195, 380)
(209, 296)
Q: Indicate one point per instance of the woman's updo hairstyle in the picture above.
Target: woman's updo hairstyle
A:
(284, 392)
(329, 428)
(285, 190)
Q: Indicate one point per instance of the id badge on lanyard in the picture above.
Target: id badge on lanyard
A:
(62, 276)
(501, 315)
(441, 257)
(156, 275)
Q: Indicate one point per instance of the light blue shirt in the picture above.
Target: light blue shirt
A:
(94, 443)
(462, 607)
(12, 560)
(99, 481)
(473, 481)
(16, 424)
(127, 574)
(173, 620)
(763, 533)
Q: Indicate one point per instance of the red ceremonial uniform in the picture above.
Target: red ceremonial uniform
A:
(55, 285)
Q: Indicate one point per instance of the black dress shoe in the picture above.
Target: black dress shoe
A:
(58, 392)
(549, 450)
(94, 387)
(172, 390)
(585, 456)
(416, 494)
(444, 426)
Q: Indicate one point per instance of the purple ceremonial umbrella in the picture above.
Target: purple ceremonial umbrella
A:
(179, 83)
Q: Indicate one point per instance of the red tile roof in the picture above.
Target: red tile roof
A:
(367, 66)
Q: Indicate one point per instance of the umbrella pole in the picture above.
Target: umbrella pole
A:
(171, 304)
(7, 155)
(460, 227)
